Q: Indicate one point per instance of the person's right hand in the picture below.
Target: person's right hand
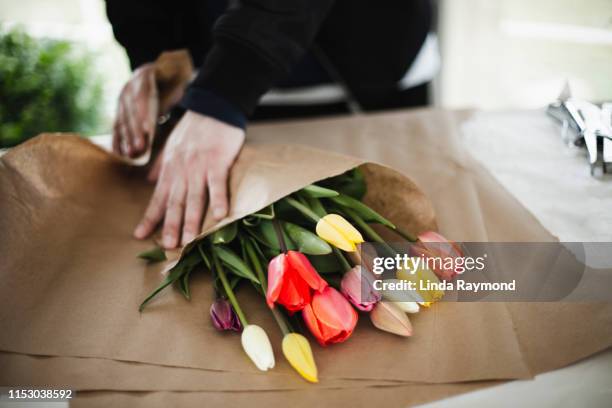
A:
(136, 118)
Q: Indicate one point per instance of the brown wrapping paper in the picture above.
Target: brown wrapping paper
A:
(458, 342)
(86, 303)
(76, 373)
(392, 396)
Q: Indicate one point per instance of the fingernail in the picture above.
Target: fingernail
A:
(218, 213)
(139, 231)
(169, 241)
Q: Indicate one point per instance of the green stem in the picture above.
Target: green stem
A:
(341, 258)
(256, 264)
(264, 284)
(302, 208)
(229, 291)
(281, 321)
(373, 235)
(280, 235)
(403, 234)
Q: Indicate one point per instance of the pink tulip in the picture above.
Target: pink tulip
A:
(430, 244)
(358, 287)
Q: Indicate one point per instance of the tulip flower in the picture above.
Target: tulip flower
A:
(407, 300)
(357, 286)
(256, 344)
(291, 279)
(223, 316)
(422, 278)
(433, 245)
(299, 354)
(408, 307)
(390, 318)
(339, 232)
(330, 317)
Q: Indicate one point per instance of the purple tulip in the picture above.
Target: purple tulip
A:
(358, 287)
(223, 316)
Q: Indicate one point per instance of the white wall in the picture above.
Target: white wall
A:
(518, 53)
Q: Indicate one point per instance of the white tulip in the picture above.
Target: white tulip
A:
(408, 307)
(256, 344)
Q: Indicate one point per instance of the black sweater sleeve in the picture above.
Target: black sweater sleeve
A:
(255, 44)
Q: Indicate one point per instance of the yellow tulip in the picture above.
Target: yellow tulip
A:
(339, 232)
(422, 277)
(299, 354)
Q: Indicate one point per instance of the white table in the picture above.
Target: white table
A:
(523, 150)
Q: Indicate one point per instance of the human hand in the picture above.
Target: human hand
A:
(136, 113)
(197, 157)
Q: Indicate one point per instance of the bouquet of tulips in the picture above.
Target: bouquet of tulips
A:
(301, 253)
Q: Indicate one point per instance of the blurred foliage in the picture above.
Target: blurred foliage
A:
(45, 86)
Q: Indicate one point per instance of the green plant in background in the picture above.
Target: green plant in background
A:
(45, 86)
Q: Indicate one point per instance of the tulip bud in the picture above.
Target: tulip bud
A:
(423, 278)
(408, 307)
(339, 232)
(388, 317)
(299, 354)
(330, 317)
(406, 300)
(256, 344)
(223, 316)
(357, 287)
(433, 245)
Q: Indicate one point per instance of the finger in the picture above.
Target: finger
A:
(117, 128)
(194, 208)
(174, 214)
(125, 145)
(143, 106)
(217, 187)
(134, 127)
(116, 137)
(154, 211)
(155, 167)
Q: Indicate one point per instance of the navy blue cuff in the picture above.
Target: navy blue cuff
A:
(207, 103)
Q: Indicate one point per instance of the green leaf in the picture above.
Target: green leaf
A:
(325, 264)
(184, 265)
(251, 221)
(365, 212)
(155, 254)
(351, 183)
(184, 284)
(234, 263)
(225, 235)
(314, 204)
(315, 191)
(265, 234)
(266, 213)
(204, 257)
(306, 241)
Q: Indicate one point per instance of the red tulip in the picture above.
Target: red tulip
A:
(291, 280)
(330, 317)
(433, 245)
(223, 316)
(358, 287)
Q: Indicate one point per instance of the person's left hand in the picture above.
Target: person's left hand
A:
(197, 156)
